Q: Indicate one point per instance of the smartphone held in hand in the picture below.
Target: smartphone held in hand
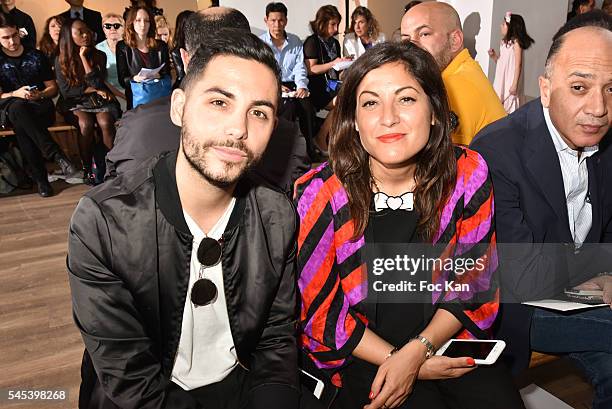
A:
(484, 352)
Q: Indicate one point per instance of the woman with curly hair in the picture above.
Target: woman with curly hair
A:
(49, 41)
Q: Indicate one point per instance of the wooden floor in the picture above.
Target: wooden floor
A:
(40, 348)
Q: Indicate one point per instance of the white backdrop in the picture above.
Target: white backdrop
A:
(300, 12)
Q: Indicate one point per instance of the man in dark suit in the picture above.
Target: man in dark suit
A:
(92, 18)
(148, 130)
(550, 162)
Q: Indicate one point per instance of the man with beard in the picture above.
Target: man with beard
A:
(182, 270)
(436, 27)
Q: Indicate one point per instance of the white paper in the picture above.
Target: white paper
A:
(535, 397)
(560, 305)
(150, 73)
(342, 65)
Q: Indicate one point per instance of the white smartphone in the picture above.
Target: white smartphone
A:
(313, 384)
(484, 352)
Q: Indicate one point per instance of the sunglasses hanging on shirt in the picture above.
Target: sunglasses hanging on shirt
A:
(204, 291)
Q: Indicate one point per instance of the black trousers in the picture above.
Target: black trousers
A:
(30, 120)
(302, 110)
(486, 387)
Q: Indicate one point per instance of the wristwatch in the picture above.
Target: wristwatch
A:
(431, 350)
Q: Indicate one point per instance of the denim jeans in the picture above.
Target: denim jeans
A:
(586, 337)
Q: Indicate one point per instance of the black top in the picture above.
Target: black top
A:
(24, 21)
(73, 94)
(315, 49)
(177, 63)
(396, 323)
(30, 68)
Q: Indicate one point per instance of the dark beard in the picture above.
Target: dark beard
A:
(194, 153)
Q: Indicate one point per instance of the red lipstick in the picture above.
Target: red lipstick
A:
(390, 137)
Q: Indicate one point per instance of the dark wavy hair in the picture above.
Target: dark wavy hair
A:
(46, 44)
(323, 16)
(178, 41)
(373, 26)
(436, 166)
(517, 31)
(69, 60)
(131, 38)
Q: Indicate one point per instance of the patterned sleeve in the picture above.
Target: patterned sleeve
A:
(472, 237)
(331, 277)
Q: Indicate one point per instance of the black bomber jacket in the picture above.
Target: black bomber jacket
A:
(128, 263)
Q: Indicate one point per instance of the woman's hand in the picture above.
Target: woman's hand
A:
(492, 54)
(512, 90)
(103, 94)
(395, 377)
(443, 367)
(138, 78)
(23, 93)
(83, 51)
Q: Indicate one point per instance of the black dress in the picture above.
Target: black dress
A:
(315, 49)
(485, 387)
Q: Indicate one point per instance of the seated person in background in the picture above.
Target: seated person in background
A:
(321, 53)
(289, 54)
(92, 18)
(148, 131)
(140, 50)
(27, 86)
(364, 32)
(390, 138)
(178, 43)
(49, 42)
(436, 27)
(25, 24)
(551, 163)
(162, 29)
(81, 71)
(113, 26)
(204, 321)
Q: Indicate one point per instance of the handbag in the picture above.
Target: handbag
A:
(93, 100)
(148, 91)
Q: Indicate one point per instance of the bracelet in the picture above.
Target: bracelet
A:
(430, 347)
(605, 274)
(394, 350)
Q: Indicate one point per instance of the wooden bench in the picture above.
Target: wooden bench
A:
(538, 358)
(57, 127)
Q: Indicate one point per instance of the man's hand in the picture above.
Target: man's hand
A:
(599, 283)
(395, 377)
(285, 89)
(301, 93)
(443, 367)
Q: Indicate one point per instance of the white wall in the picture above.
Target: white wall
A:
(300, 12)
(542, 18)
(476, 21)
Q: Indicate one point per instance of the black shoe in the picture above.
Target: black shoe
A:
(45, 189)
(89, 178)
(64, 163)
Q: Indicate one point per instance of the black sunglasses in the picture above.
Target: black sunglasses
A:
(116, 26)
(204, 291)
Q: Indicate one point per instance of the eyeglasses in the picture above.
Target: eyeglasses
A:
(116, 26)
(204, 291)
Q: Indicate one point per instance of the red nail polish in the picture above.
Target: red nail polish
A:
(471, 362)
(371, 396)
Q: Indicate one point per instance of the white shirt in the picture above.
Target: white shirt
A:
(352, 45)
(575, 182)
(206, 352)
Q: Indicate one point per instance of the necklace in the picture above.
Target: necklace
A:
(382, 201)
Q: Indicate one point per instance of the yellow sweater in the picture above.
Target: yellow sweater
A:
(471, 97)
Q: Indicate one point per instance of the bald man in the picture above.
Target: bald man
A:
(551, 162)
(436, 27)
